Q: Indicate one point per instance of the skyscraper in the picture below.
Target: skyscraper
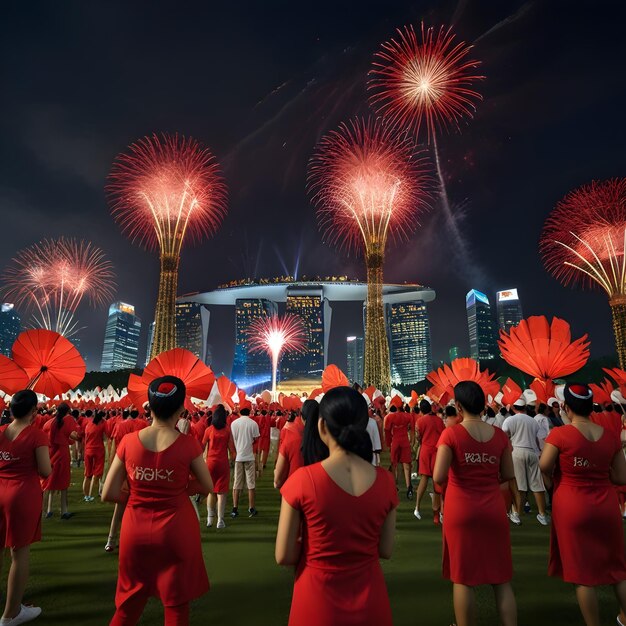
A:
(408, 331)
(481, 332)
(308, 305)
(10, 327)
(355, 356)
(250, 369)
(190, 317)
(509, 309)
(121, 338)
(453, 353)
(150, 342)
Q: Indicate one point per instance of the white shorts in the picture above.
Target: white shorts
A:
(247, 469)
(527, 473)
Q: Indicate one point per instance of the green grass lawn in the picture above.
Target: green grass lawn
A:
(73, 579)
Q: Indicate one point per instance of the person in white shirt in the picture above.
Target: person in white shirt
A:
(544, 425)
(523, 430)
(245, 431)
(374, 433)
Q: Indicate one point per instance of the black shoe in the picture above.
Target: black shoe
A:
(67, 515)
(234, 513)
(527, 508)
(409, 493)
(252, 512)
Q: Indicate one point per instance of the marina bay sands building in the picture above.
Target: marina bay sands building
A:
(408, 327)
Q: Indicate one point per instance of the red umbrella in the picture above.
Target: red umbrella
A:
(227, 389)
(137, 392)
(333, 377)
(12, 377)
(52, 363)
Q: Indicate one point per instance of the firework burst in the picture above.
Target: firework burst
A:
(53, 277)
(583, 242)
(276, 335)
(368, 183)
(164, 191)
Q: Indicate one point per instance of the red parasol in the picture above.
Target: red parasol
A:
(414, 398)
(511, 392)
(333, 377)
(52, 363)
(227, 389)
(397, 402)
(12, 377)
(315, 393)
(544, 389)
(445, 378)
(602, 392)
(137, 391)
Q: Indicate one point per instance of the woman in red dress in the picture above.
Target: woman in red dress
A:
(219, 440)
(24, 457)
(95, 433)
(474, 458)
(587, 539)
(160, 551)
(63, 432)
(344, 509)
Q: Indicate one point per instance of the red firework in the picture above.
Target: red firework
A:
(368, 182)
(424, 80)
(165, 188)
(584, 238)
(54, 276)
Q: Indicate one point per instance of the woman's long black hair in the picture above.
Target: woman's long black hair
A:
(219, 417)
(62, 410)
(313, 448)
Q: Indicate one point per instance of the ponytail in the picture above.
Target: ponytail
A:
(357, 441)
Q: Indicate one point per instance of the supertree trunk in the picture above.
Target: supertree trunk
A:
(618, 310)
(377, 370)
(165, 314)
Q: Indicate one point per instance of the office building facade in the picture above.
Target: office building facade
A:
(150, 342)
(121, 338)
(509, 309)
(454, 353)
(250, 369)
(10, 327)
(482, 337)
(408, 330)
(355, 358)
(190, 317)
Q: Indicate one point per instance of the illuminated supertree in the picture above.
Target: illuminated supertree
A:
(276, 335)
(368, 183)
(583, 242)
(165, 189)
(53, 277)
(422, 81)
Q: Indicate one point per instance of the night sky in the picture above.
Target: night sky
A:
(260, 83)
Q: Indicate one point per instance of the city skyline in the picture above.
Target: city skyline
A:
(504, 169)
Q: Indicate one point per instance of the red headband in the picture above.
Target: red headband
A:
(165, 390)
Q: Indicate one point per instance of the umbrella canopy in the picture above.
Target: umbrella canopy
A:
(333, 377)
(445, 378)
(12, 377)
(511, 392)
(52, 364)
(602, 392)
(227, 389)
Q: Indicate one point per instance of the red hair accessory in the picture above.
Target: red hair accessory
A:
(165, 390)
(582, 392)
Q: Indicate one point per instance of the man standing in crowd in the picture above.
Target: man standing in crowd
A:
(245, 432)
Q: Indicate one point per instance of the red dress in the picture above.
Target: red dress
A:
(429, 428)
(587, 538)
(20, 490)
(397, 427)
(291, 449)
(217, 457)
(476, 539)
(160, 551)
(60, 440)
(265, 427)
(339, 581)
(94, 448)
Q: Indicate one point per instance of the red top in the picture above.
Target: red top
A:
(218, 441)
(121, 429)
(17, 457)
(397, 426)
(110, 425)
(265, 426)
(61, 436)
(94, 434)
(291, 449)
(140, 423)
(198, 429)
(609, 420)
(429, 428)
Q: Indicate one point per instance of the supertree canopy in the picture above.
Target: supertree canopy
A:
(368, 183)
(165, 189)
(276, 335)
(583, 242)
(53, 277)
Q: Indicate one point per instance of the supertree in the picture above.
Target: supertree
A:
(583, 242)
(165, 189)
(425, 80)
(368, 183)
(276, 335)
(52, 278)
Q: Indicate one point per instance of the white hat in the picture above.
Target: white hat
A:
(559, 392)
(530, 396)
(616, 396)
(498, 398)
(551, 401)
(520, 402)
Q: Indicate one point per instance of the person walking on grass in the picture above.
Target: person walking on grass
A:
(94, 454)
(473, 458)
(245, 432)
(24, 457)
(586, 461)
(337, 519)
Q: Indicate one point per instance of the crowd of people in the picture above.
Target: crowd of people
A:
(338, 510)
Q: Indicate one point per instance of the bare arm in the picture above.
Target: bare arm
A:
(618, 469)
(201, 472)
(547, 463)
(113, 485)
(385, 546)
(281, 471)
(442, 464)
(288, 544)
(506, 466)
(44, 467)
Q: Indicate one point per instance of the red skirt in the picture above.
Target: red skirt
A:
(59, 479)
(20, 513)
(587, 536)
(220, 474)
(94, 463)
